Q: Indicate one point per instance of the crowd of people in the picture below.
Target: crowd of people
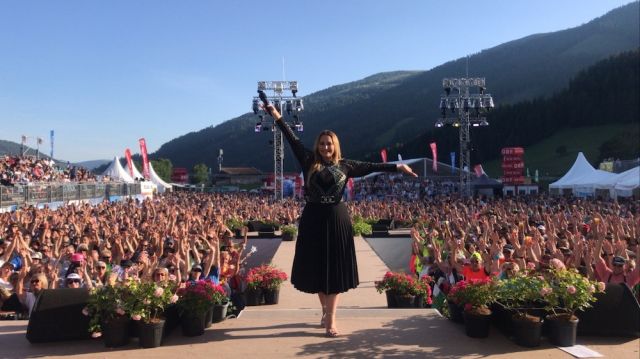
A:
(393, 186)
(16, 170)
(178, 237)
(184, 236)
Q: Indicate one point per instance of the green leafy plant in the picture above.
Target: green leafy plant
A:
(401, 284)
(149, 300)
(475, 295)
(522, 292)
(290, 229)
(570, 291)
(106, 303)
(235, 224)
(265, 277)
(361, 227)
(196, 297)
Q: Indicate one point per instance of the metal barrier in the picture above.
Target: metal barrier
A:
(39, 193)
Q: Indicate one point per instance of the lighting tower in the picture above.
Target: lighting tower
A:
(462, 107)
(288, 105)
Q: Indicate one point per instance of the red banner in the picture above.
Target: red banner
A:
(350, 188)
(383, 154)
(512, 165)
(513, 180)
(145, 159)
(511, 151)
(478, 170)
(127, 154)
(434, 155)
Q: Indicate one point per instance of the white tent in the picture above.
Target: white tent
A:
(116, 172)
(628, 182)
(162, 185)
(581, 169)
(136, 173)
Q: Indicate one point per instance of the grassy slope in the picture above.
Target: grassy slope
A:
(543, 156)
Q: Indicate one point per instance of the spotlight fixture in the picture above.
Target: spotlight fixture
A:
(299, 105)
(456, 123)
(439, 124)
(255, 106)
(289, 106)
(258, 127)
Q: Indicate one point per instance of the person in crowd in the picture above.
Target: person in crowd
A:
(324, 261)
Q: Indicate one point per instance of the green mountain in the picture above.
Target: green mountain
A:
(396, 109)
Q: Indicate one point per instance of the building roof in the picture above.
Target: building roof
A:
(241, 171)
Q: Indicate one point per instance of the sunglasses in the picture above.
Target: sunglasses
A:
(35, 281)
(69, 281)
(618, 265)
(161, 274)
(101, 267)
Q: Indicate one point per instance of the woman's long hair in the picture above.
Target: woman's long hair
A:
(317, 158)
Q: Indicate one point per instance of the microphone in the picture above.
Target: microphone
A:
(263, 97)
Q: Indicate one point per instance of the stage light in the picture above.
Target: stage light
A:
(255, 106)
(289, 106)
(488, 102)
(293, 86)
(443, 104)
(299, 127)
(484, 123)
(299, 105)
(439, 124)
(456, 123)
(262, 85)
(258, 127)
(481, 89)
(475, 124)
(453, 105)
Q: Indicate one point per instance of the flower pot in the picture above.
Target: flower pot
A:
(419, 302)
(151, 333)
(288, 236)
(271, 296)
(477, 325)
(253, 296)
(455, 312)
(219, 312)
(134, 328)
(562, 330)
(527, 330)
(115, 332)
(405, 301)
(208, 318)
(193, 324)
(391, 299)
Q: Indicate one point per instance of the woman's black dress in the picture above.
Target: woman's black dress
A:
(325, 258)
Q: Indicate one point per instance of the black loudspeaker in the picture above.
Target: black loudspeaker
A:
(57, 315)
(616, 313)
(254, 226)
(387, 223)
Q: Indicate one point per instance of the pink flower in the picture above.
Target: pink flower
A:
(545, 291)
(136, 317)
(571, 289)
(174, 298)
(158, 292)
(119, 311)
(468, 307)
(96, 334)
(531, 265)
(85, 311)
(601, 286)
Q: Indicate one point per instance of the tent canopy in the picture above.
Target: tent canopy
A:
(116, 172)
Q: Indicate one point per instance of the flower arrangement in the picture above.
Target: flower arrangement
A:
(265, 277)
(569, 291)
(149, 300)
(423, 288)
(106, 303)
(196, 297)
(360, 226)
(475, 295)
(400, 283)
(217, 294)
(522, 292)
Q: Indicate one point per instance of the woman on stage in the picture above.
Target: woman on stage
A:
(325, 258)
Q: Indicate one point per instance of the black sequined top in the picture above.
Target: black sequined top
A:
(327, 185)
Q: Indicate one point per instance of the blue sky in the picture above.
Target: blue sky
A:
(104, 73)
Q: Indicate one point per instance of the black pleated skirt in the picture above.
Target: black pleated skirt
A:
(325, 258)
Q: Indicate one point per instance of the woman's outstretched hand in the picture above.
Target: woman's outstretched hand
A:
(273, 112)
(406, 170)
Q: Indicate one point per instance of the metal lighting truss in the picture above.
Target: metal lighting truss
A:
(278, 95)
(463, 109)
